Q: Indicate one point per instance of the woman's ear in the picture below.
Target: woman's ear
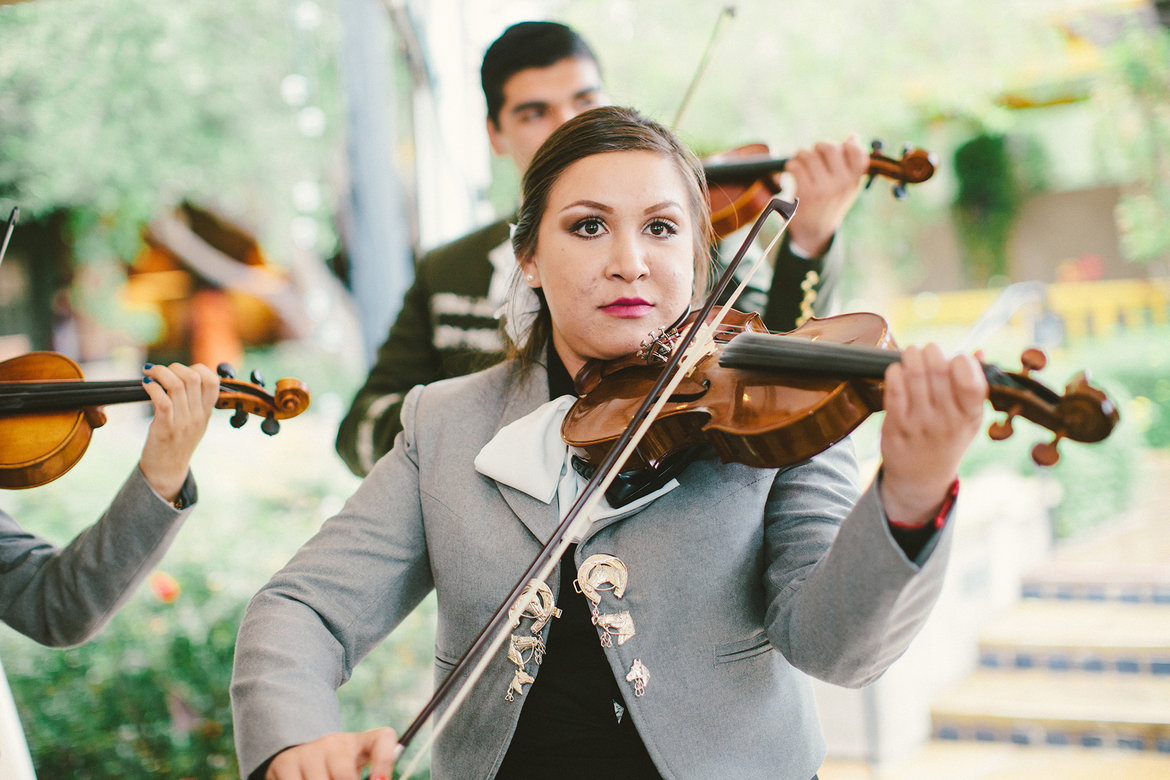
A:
(530, 273)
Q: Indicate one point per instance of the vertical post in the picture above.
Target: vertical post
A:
(377, 234)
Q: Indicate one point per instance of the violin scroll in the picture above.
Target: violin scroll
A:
(1083, 413)
(290, 399)
(915, 167)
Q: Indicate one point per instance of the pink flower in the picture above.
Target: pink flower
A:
(166, 588)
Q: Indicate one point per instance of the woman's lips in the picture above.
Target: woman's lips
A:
(628, 307)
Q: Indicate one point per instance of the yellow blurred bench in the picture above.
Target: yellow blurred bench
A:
(1085, 308)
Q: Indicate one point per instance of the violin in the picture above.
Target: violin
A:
(742, 181)
(771, 400)
(48, 412)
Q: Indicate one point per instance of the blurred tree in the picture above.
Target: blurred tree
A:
(986, 204)
(922, 74)
(115, 110)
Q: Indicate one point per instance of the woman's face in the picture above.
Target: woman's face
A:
(614, 254)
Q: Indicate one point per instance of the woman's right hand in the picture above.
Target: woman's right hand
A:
(934, 409)
(338, 756)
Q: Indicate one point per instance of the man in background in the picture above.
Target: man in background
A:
(535, 77)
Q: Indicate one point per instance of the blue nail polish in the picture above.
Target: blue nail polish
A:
(146, 380)
(147, 366)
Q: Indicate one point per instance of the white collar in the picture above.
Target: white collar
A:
(504, 267)
(515, 301)
(529, 455)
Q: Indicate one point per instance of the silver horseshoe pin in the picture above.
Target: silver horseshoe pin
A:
(541, 607)
(599, 570)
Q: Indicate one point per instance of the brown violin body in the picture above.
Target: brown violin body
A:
(757, 417)
(48, 413)
(772, 400)
(36, 451)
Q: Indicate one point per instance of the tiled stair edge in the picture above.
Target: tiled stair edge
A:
(1096, 661)
(1132, 593)
(1152, 737)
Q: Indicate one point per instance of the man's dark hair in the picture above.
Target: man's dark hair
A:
(522, 46)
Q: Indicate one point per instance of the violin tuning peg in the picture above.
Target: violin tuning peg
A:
(899, 191)
(998, 431)
(875, 146)
(270, 426)
(869, 180)
(1046, 454)
(257, 378)
(225, 371)
(1032, 359)
(240, 417)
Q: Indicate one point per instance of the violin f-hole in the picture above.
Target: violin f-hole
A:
(694, 395)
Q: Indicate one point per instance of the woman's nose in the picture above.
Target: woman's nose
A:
(628, 259)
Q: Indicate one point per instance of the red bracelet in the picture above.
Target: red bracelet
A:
(941, 518)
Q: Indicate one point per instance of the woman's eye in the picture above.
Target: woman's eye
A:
(661, 228)
(589, 228)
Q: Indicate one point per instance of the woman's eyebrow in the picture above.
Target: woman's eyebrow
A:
(591, 204)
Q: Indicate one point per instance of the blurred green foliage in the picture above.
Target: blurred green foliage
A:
(114, 111)
(986, 205)
(1136, 89)
(149, 697)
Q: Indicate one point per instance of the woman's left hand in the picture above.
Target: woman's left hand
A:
(828, 180)
(183, 398)
(933, 410)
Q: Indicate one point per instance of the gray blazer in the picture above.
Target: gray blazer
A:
(742, 581)
(63, 596)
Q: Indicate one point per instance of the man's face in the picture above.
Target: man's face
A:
(538, 101)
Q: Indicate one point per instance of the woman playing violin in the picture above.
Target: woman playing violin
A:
(63, 596)
(676, 637)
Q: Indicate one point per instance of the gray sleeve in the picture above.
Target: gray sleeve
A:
(340, 595)
(845, 614)
(63, 596)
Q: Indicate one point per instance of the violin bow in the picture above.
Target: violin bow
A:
(8, 233)
(727, 13)
(458, 683)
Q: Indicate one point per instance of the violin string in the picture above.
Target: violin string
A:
(581, 510)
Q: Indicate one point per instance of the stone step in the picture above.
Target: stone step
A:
(1088, 636)
(1126, 558)
(1045, 708)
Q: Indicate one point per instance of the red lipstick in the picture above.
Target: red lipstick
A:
(628, 307)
